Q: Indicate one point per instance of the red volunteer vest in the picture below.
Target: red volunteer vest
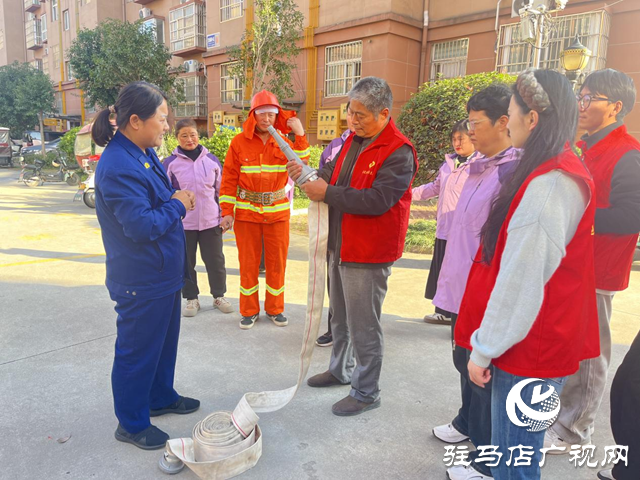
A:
(368, 238)
(566, 328)
(613, 253)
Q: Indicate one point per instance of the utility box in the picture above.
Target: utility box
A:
(328, 117)
(217, 116)
(234, 120)
(327, 132)
(343, 112)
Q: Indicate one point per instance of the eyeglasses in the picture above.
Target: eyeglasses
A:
(584, 101)
(471, 124)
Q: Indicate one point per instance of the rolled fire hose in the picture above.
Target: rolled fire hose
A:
(226, 444)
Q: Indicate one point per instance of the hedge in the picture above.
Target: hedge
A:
(426, 119)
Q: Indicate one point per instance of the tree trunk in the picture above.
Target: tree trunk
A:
(43, 149)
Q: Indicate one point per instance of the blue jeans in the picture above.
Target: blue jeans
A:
(505, 434)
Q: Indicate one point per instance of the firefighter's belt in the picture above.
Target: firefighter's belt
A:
(265, 198)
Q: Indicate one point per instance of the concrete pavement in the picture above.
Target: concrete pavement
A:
(57, 331)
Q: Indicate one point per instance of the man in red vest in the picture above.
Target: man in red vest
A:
(613, 158)
(368, 190)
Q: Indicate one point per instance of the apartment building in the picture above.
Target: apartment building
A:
(407, 42)
(12, 46)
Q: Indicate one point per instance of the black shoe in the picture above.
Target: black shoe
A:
(280, 320)
(182, 406)
(350, 406)
(325, 340)
(247, 322)
(151, 438)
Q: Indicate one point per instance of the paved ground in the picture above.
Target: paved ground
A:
(57, 333)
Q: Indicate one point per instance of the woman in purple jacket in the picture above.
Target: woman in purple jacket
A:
(447, 187)
(192, 167)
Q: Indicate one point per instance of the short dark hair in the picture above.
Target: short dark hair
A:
(461, 126)
(136, 98)
(493, 101)
(185, 123)
(615, 85)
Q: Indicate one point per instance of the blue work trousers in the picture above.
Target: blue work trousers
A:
(145, 357)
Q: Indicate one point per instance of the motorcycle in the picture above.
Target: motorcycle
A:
(33, 175)
(87, 191)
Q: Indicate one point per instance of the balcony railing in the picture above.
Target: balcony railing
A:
(188, 29)
(33, 34)
(31, 5)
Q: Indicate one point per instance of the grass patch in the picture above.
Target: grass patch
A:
(421, 236)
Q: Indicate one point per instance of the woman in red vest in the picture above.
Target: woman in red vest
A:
(529, 306)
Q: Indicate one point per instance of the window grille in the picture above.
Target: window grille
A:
(592, 29)
(343, 68)
(449, 59)
(230, 86)
(195, 92)
(230, 9)
(188, 27)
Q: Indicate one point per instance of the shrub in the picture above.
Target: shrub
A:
(219, 142)
(49, 158)
(421, 236)
(68, 141)
(426, 119)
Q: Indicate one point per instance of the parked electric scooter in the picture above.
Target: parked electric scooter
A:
(33, 175)
(87, 154)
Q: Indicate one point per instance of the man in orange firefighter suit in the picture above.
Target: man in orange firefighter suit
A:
(253, 193)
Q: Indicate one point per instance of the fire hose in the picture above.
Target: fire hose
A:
(226, 444)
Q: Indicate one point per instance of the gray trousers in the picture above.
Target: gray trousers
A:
(582, 394)
(355, 308)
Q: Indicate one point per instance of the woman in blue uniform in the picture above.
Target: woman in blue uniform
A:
(140, 216)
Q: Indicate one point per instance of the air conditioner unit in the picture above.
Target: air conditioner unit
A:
(145, 12)
(191, 65)
(184, 1)
(538, 6)
(46, 50)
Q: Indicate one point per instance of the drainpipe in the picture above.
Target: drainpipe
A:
(423, 52)
(497, 27)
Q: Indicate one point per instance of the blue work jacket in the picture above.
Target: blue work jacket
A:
(141, 225)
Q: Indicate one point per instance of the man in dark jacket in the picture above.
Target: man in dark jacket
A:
(368, 190)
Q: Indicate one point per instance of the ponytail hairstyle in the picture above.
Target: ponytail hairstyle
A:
(550, 94)
(136, 98)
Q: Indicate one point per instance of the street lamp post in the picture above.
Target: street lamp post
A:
(574, 59)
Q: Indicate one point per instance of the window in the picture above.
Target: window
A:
(65, 19)
(195, 104)
(54, 10)
(43, 27)
(230, 86)
(515, 56)
(230, 9)
(343, 67)
(68, 70)
(1, 39)
(188, 27)
(45, 64)
(55, 50)
(156, 26)
(449, 59)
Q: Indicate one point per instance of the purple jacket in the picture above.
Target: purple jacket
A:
(447, 187)
(202, 177)
(331, 150)
(486, 176)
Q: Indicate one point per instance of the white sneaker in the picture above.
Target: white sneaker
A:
(552, 438)
(460, 472)
(606, 474)
(222, 304)
(449, 434)
(437, 319)
(191, 309)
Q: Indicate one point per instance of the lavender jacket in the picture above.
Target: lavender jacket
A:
(331, 150)
(202, 177)
(447, 187)
(486, 176)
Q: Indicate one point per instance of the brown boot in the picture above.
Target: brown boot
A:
(349, 406)
(325, 379)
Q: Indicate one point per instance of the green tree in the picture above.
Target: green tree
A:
(26, 94)
(116, 53)
(266, 54)
(426, 119)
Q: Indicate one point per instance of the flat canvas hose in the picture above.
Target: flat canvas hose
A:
(226, 444)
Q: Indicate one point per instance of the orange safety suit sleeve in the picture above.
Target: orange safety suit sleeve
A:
(229, 182)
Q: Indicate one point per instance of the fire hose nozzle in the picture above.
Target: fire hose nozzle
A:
(308, 174)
